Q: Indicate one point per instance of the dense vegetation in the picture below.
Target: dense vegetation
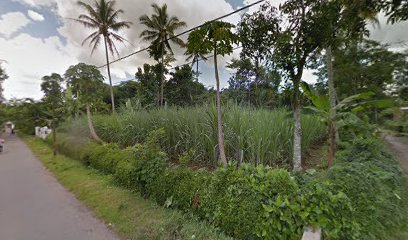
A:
(362, 197)
(192, 132)
(167, 126)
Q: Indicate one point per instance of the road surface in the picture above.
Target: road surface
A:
(34, 206)
(399, 146)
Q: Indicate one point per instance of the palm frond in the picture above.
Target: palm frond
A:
(114, 16)
(96, 41)
(117, 26)
(88, 19)
(96, 33)
(85, 23)
(112, 47)
(89, 9)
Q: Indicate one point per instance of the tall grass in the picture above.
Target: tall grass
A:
(251, 135)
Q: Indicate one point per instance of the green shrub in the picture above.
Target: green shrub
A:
(177, 187)
(105, 157)
(364, 149)
(286, 216)
(374, 193)
(146, 163)
(361, 197)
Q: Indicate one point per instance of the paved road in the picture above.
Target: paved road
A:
(34, 206)
(399, 146)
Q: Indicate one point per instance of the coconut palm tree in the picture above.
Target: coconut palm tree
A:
(103, 18)
(195, 57)
(160, 32)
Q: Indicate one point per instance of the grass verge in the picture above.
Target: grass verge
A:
(129, 215)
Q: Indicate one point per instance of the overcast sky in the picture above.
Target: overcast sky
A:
(37, 39)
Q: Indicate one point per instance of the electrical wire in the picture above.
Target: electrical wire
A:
(187, 31)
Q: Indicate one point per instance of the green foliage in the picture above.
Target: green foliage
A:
(195, 128)
(182, 90)
(53, 97)
(160, 31)
(86, 83)
(362, 197)
(374, 184)
(105, 157)
(177, 188)
(364, 149)
(147, 163)
(216, 36)
(26, 114)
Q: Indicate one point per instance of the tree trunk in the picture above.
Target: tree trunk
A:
(162, 78)
(92, 131)
(332, 113)
(223, 157)
(109, 75)
(297, 130)
(256, 82)
(197, 74)
(54, 138)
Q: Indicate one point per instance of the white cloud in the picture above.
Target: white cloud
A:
(193, 12)
(28, 60)
(31, 58)
(35, 16)
(37, 3)
(12, 22)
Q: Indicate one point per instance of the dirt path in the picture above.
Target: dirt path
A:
(34, 206)
(399, 146)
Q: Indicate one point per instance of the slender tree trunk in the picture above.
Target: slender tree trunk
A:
(54, 138)
(162, 78)
(332, 115)
(223, 157)
(256, 82)
(297, 130)
(92, 131)
(197, 74)
(109, 75)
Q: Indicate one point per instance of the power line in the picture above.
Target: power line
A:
(201, 59)
(187, 31)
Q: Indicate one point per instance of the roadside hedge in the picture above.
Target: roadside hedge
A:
(362, 197)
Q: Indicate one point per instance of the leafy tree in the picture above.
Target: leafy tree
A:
(297, 37)
(364, 66)
(160, 32)
(53, 102)
(87, 86)
(127, 90)
(251, 84)
(346, 21)
(150, 80)
(182, 90)
(396, 10)
(256, 40)
(26, 114)
(216, 37)
(3, 77)
(103, 18)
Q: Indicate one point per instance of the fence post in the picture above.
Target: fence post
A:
(312, 234)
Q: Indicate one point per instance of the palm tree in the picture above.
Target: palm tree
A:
(195, 57)
(160, 31)
(103, 18)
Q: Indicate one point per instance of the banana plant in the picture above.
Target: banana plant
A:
(347, 110)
